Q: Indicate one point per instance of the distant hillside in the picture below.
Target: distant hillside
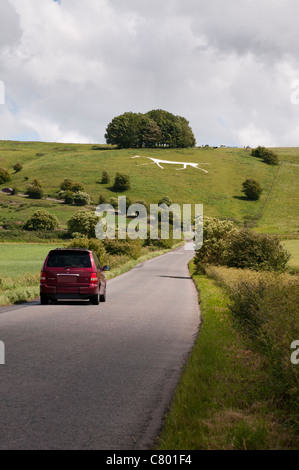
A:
(219, 189)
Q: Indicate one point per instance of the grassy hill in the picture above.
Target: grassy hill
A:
(219, 190)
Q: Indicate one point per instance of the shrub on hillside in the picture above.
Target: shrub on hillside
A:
(41, 220)
(268, 156)
(36, 182)
(60, 194)
(257, 251)
(257, 153)
(105, 178)
(102, 199)
(78, 187)
(18, 167)
(165, 200)
(121, 183)
(83, 222)
(67, 184)
(12, 225)
(81, 199)
(252, 189)
(4, 175)
(34, 192)
(114, 202)
(15, 190)
(68, 197)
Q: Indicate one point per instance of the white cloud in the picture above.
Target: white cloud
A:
(70, 67)
(255, 135)
(9, 25)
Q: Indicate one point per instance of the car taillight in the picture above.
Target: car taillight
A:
(43, 278)
(93, 277)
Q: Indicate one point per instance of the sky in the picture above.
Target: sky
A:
(230, 67)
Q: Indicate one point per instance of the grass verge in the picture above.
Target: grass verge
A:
(265, 309)
(224, 400)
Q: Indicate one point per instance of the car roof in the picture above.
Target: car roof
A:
(71, 249)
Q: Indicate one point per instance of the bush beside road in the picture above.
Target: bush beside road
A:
(225, 399)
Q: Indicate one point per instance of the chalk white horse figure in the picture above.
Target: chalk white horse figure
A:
(157, 161)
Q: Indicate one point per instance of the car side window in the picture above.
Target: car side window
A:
(97, 262)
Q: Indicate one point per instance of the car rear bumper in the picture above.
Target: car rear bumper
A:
(57, 293)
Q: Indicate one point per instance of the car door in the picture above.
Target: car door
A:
(100, 274)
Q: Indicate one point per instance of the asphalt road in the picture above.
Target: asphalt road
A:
(78, 376)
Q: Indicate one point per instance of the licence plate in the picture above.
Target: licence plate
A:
(67, 278)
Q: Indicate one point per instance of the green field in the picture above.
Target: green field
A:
(293, 247)
(21, 259)
(20, 267)
(219, 190)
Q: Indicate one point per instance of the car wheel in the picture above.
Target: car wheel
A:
(95, 300)
(103, 297)
(44, 300)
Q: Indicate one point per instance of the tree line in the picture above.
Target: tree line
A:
(157, 128)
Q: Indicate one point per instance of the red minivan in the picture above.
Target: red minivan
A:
(73, 273)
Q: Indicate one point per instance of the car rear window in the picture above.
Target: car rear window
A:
(69, 259)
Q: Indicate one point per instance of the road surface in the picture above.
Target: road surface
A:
(78, 376)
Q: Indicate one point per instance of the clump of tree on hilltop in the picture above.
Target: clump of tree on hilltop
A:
(157, 128)
(268, 156)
